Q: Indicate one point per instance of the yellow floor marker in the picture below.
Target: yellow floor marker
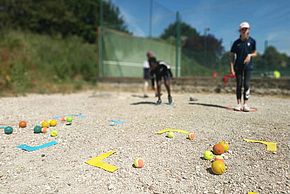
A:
(98, 162)
(271, 146)
(173, 130)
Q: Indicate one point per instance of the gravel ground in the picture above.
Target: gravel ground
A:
(171, 165)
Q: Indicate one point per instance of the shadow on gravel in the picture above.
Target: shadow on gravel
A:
(143, 102)
(209, 170)
(208, 105)
(139, 96)
(100, 95)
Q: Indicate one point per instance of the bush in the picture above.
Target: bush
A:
(28, 61)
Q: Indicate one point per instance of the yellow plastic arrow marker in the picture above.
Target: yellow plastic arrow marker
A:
(173, 130)
(98, 162)
(271, 146)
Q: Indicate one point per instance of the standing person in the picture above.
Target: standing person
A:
(161, 70)
(147, 74)
(243, 50)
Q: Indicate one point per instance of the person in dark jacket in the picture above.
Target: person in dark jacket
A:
(243, 50)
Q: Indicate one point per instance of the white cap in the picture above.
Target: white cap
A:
(244, 25)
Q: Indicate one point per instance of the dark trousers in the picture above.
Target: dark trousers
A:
(243, 80)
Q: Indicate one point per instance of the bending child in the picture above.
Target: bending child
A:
(161, 70)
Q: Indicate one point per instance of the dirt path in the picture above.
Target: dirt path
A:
(171, 165)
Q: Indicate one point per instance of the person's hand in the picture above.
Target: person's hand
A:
(233, 73)
(247, 59)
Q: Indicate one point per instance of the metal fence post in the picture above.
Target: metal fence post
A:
(178, 49)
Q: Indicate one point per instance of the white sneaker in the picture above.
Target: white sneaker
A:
(246, 108)
(238, 107)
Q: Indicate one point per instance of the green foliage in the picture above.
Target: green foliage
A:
(30, 61)
(190, 67)
(223, 65)
(264, 64)
(64, 17)
(200, 53)
(272, 60)
(185, 30)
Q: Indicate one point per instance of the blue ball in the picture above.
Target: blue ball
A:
(8, 130)
(37, 129)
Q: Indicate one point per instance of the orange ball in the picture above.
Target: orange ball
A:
(22, 124)
(191, 136)
(218, 149)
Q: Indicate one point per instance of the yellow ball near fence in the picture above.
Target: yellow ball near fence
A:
(277, 74)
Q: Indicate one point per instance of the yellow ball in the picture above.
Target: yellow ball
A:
(53, 133)
(208, 155)
(44, 124)
(170, 134)
(225, 145)
(218, 167)
(53, 123)
(277, 74)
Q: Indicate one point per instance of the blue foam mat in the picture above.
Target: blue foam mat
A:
(33, 148)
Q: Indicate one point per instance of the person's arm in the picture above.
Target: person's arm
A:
(152, 79)
(170, 73)
(253, 52)
(249, 56)
(232, 62)
(233, 58)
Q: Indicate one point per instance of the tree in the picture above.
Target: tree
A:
(64, 17)
(202, 43)
(204, 49)
(185, 31)
(272, 59)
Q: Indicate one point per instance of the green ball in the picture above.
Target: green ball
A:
(8, 130)
(208, 155)
(170, 134)
(37, 129)
(69, 119)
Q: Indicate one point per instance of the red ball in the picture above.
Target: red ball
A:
(218, 149)
(44, 130)
(138, 163)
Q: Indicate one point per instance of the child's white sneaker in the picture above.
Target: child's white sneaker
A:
(246, 108)
(238, 107)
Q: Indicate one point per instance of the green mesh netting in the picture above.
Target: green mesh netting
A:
(123, 54)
